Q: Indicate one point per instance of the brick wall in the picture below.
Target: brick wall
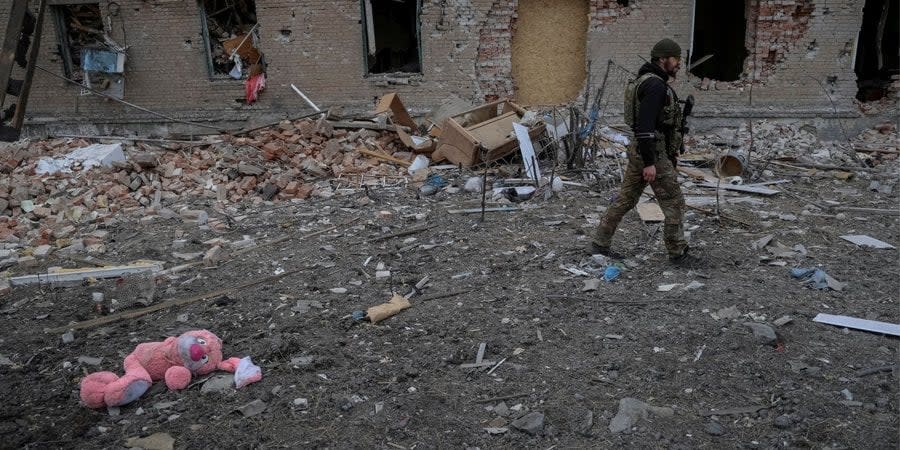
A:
(802, 46)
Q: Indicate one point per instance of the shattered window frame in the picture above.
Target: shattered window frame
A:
(208, 41)
(64, 44)
(368, 73)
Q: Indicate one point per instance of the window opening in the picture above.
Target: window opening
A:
(79, 28)
(719, 30)
(878, 49)
(391, 35)
(231, 36)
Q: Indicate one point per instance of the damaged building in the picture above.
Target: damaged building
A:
(195, 59)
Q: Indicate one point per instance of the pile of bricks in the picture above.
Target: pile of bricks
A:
(292, 161)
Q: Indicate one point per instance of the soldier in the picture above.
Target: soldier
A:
(653, 111)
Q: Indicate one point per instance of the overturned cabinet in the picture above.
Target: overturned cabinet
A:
(482, 134)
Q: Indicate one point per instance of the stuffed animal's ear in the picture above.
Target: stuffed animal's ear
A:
(229, 365)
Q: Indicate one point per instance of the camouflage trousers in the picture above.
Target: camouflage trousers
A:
(668, 195)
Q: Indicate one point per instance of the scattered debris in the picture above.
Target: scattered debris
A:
(817, 279)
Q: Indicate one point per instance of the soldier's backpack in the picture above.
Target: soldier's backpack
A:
(631, 104)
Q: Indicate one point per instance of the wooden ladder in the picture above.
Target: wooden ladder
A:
(7, 59)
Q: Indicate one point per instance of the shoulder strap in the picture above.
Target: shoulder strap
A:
(637, 86)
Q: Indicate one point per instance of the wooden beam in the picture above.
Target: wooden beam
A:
(8, 52)
(740, 188)
(22, 104)
(385, 157)
(884, 212)
(103, 320)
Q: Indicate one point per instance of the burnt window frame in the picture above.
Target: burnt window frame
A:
(62, 35)
(365, 43)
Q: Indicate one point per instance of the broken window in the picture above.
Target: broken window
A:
(391, 35)
(719, 36)
(231, 36)
(79, 27)
(877, 51)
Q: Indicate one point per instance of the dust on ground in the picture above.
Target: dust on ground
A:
(567, 354)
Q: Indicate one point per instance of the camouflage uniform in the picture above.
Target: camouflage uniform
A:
(668, 194)
(665, 187)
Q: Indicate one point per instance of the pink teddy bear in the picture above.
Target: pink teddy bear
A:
(176, 360)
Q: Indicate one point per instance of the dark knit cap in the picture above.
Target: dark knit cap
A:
(665, 48)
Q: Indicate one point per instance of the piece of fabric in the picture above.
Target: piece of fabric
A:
(253, 86)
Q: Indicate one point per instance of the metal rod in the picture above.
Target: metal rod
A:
(140, 108)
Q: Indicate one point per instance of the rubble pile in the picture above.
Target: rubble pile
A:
(290, 162)
(793, 141)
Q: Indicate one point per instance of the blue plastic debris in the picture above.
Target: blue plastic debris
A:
(611, 273)
(432, 185)
(358, 315)
(816, 278)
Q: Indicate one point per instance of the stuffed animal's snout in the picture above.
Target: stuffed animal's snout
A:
(197, 352)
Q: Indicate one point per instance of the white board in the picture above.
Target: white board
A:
(526, 147)
(859, 324)
(866, 241)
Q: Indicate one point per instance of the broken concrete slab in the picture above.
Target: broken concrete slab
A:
(632, 410)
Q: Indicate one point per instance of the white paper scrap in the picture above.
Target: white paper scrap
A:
(526, 147)
(859, 324)
(866, 241)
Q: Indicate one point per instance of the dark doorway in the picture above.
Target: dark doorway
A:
(392, 36)
(878, 49)
(720, 29)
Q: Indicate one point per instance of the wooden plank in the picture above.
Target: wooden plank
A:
(385, 157)
(391, 102)
(734, 411)
(696, 173)
(477, 365)
(65, 276)
(103, 320)
(496, 132)
(739, 188)
(650, 212)
(885, 212)
(478, 210)
(8, 52)
(479, 357)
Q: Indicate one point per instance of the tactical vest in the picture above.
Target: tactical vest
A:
(669, 135)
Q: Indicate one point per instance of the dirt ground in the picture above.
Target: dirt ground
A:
(568, 354)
